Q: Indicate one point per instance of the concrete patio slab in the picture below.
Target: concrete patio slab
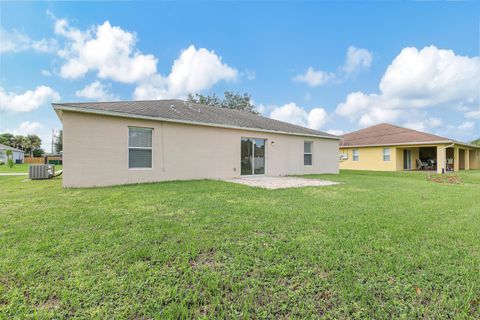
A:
(280, 182)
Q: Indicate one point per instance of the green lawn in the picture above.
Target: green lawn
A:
(378, 245)
(19, 168)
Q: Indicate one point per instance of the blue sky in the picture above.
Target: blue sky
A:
(331, 66)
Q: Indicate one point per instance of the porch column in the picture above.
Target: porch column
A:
(441, 159)
(456, 159)
(467, 159)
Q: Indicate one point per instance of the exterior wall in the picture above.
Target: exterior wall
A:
(474, 160)
(399, 163)
(456, 156)
(370, 158)
(441, 158)
(16, 155)
(96, 152)
(415, 156)
(462, 162)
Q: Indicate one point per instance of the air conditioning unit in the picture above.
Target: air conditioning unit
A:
(41, 171)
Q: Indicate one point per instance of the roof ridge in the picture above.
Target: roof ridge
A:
(10, 147)
(211, 115)
(396, 126)
(114, 101)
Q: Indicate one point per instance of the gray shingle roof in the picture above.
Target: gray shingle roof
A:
(4, 147)
(181, 111)
(388, 134)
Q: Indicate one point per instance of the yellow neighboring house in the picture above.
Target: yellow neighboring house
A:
(385, 147)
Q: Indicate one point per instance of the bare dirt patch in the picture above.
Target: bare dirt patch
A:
(444, 178)
(205, 259)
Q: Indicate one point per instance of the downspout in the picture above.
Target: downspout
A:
(163, 146)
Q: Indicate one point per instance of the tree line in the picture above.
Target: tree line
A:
(230, 100)
(30, 144)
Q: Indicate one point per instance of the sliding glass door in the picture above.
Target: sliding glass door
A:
(246, 157)
(252, 156)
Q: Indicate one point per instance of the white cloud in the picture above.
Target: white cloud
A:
(473, 114)
(96, 91)
(294, 114)
(26, 128)
(416, 125)
(424, 124)
(265, 109)
(314, 78)
(317, 118)
(291, 113)
(250, 74)
(435, 122)
(466, 126)
(111, 52)
(193, 71)
(335, 132)
(15, 41)
(261, 108)
(416, 79)
(357, 58)
(46, 73)
(27, 101)
(106, 49)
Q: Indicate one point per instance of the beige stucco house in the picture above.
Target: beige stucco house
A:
(386, 147)
(109, 143)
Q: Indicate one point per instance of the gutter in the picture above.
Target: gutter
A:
(452, 143)
(60, 107)
(396, 144)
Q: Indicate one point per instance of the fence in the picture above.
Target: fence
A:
(41, 160)
(37, 160)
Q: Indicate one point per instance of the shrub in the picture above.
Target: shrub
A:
(9, 158)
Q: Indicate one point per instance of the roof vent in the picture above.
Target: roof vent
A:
(193, 108)
(172, 107)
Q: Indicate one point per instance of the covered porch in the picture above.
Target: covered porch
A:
(438, 158)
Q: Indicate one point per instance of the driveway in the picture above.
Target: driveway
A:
(280, 182)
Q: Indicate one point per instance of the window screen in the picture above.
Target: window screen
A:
(386, 154)
(139, 147)
(355, 155)
(307, 153)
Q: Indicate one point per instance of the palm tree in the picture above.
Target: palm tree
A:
(18, 142)
(59, 142)
(32, 143)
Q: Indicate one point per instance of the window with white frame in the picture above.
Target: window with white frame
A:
(344, 154)
(386, 154)
(307, 153)
(355, 155)
(139, 147)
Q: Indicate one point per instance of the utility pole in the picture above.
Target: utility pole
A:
(53, 134)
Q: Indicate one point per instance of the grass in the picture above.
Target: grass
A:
(19, 168)
(378, 245)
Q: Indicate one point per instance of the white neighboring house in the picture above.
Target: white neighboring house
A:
(18, 155)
